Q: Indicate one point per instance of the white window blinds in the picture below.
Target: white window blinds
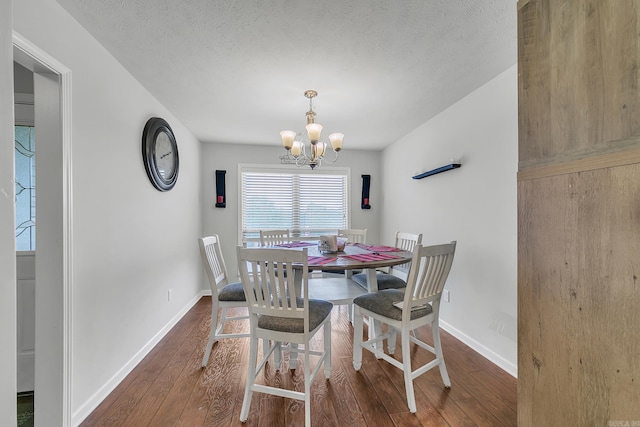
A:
(307, 204)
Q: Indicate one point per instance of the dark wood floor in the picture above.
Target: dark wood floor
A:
(169, 388)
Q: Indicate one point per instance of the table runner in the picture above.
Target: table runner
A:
(377, 248)
(370, 257)
(319, 260)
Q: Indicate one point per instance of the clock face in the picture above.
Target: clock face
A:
(160, 154)
(164, 156)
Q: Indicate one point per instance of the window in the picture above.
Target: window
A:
(25, 188)
(309, 203)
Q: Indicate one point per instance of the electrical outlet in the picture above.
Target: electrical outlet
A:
(169, 294)
(446, 295)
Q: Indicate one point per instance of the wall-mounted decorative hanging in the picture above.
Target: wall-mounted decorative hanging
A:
(160, 154)
(221, 198)
(366, 183)
(437, 170)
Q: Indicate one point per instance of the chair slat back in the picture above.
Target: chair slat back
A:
(213, 262)
(430, 268)
(268, 280)
(354, 235)
(406, 242)
(274, 237)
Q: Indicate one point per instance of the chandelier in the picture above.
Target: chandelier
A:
(311, 154)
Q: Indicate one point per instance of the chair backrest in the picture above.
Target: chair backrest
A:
(430, 268)
(268, 280)
(354, 235)
(274, 237)
(213, 262)
(405, 241)
(408, 241)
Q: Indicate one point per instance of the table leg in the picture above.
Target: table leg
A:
(372, 280)
(297, 282)
(372, 286)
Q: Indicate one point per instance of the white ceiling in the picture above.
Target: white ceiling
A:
(235, 71)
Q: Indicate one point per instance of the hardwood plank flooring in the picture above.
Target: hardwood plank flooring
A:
(169, 388)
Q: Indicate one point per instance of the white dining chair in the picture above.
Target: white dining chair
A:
(274, 237)
(404, 312)
(277, 315)
(224, 295)
(354, 235)
(396, 278)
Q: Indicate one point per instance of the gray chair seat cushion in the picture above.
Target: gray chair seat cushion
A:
(232, 292)
(381, 303)
(318, 311)
(385, 281)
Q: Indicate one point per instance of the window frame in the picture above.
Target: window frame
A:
(283, 169)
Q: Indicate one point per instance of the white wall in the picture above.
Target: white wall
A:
(7, 225)
(224, 221)
(131, 243)
(475, 205)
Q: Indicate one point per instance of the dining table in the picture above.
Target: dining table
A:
(355, 256)
(342, 290)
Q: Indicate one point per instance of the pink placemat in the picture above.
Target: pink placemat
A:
(295, 244)
(374, 248)
(319, 260)
(370, 257)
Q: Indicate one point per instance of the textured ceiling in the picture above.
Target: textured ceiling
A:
(235, 71)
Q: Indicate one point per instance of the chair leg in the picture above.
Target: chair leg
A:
(223, 319)
(438, 347)
(327, 349)
(277, 355)
(350, 308)
(406, 367)
(293, 356)
(415, 334)
(251, 374)
(307, 387)
(212, 333)
(376, 327)
(391, 341)
(357, 338)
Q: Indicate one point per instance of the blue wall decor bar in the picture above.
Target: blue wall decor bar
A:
(437, 170)
(366, 183)
(221, 197)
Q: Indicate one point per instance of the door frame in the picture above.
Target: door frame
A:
(53, 375)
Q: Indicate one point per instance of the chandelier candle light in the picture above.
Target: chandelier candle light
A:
(314, 154)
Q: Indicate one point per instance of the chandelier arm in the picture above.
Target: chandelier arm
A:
(335, 159)
(301, 161)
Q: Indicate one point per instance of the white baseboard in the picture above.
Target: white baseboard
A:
(488, 354)
(93, 402)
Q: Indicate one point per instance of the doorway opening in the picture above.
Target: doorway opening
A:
(52, 289)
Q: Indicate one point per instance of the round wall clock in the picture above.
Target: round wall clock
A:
(160, 154)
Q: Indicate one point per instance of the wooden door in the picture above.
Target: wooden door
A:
(579, 213)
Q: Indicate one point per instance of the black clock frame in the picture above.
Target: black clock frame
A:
(152, 130)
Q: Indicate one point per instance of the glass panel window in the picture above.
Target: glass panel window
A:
(25, 169)
(308, 204)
